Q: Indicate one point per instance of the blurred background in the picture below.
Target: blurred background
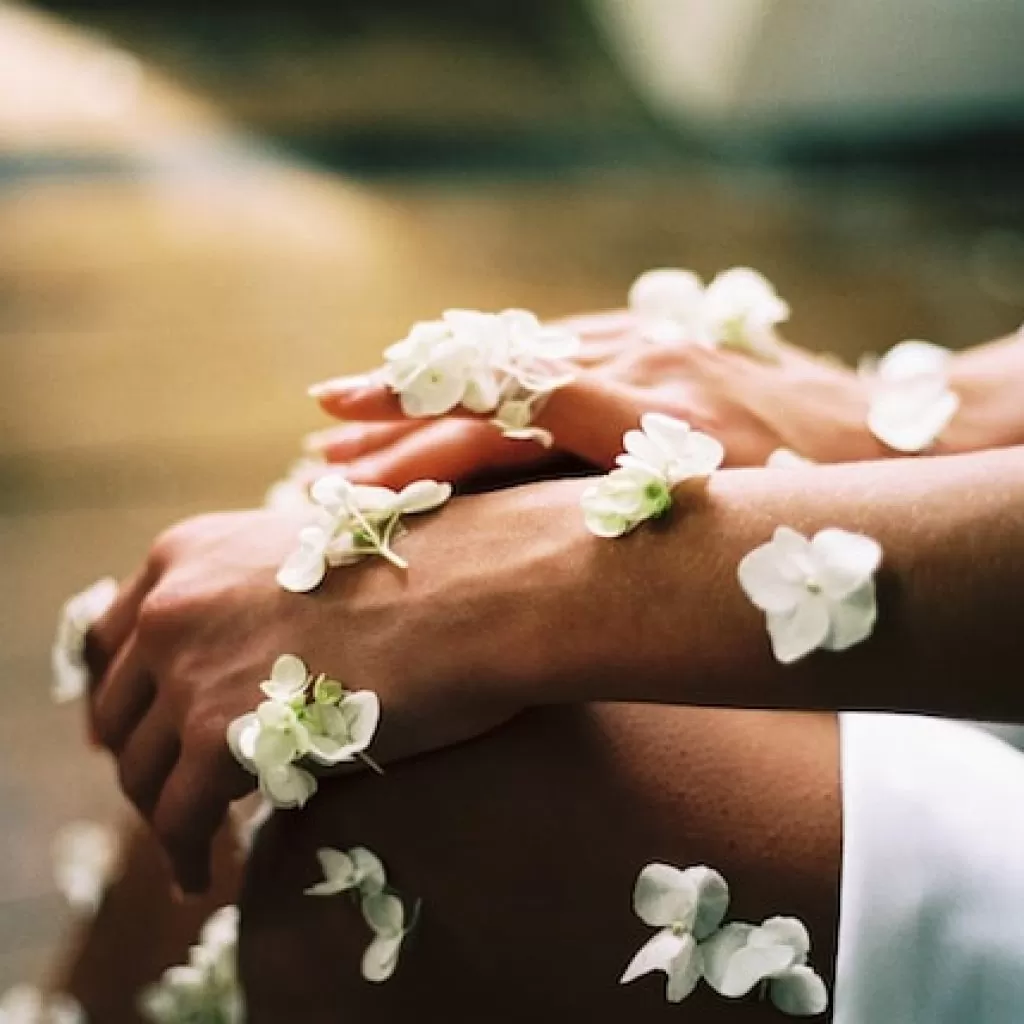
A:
(205, 207)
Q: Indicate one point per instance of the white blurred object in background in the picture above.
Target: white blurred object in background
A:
(828, 67)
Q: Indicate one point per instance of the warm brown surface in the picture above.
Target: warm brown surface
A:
(158, 328)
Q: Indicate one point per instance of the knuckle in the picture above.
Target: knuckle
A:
(160, 612)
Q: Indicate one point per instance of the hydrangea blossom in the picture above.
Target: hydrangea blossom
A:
(354, 521)
(205, 989)
(486, 362)
(85, 855)
(687, 906)
(359, 869)
(384, 912)
(740, 957)
(911, 400)
(79, 614)
(25, 1004)
(334, 728)
(814, 593)
(664, 453)
(739, 309)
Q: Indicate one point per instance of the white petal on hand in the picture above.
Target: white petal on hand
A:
(423, 495)
(712, 899)
(288, 678)
(684, 971)
(764, 580)
(384, 913)
(719, 950)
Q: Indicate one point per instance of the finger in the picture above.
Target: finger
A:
(148, 757)
(358, 398)
(446, 449)
(122, 697)
(111, 630)
(352, 440)
(190, 810)
(588, 416)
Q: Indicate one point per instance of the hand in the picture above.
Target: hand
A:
(808, 403)
(445, 645)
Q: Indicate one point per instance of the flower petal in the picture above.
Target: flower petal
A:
(712, 899)
(852, 619)
(433, 392)
(381, 957)
(656, 954)
(718, 951)
(664, 895)
(684, 971)
(797, 633)
(287, 786)
(303, 570)
(844, 561)
(372, 877)
(784, 931)
(799, 991)
(384, 913)
(423, 495)
(241, 739)
(288, 679)
(762, 576)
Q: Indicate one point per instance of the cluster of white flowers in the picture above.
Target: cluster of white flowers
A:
(359, 871)
(739, 309)
(688, 907)
(664, 453)
(25, 1004)
(334, 728)
(814, 593)
(353, 522)
(206, 989)
(85, 856)
(503, 363)
(911, 400)
(79, 614)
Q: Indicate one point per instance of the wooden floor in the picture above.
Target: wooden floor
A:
(168, 289)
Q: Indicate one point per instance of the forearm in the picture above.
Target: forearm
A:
(676, 627)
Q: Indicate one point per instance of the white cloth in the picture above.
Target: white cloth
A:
(931, 927)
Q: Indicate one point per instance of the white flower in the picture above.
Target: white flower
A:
(84, 860)
(340, 732)
(665, 452)
(335, 728)
(741, 956)
(206, 989)
(385, 914)
(687, 906)
(670, 448)
(668, 304)
(739, 309)
(482, 361)
(911, 401)
(784, 458)
(247, 818)
(622, 499)
(79, 614)
(358, 869)
(355, 521)
(25, 1004)
(817, 593)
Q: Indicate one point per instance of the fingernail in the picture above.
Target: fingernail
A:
(340, 385)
